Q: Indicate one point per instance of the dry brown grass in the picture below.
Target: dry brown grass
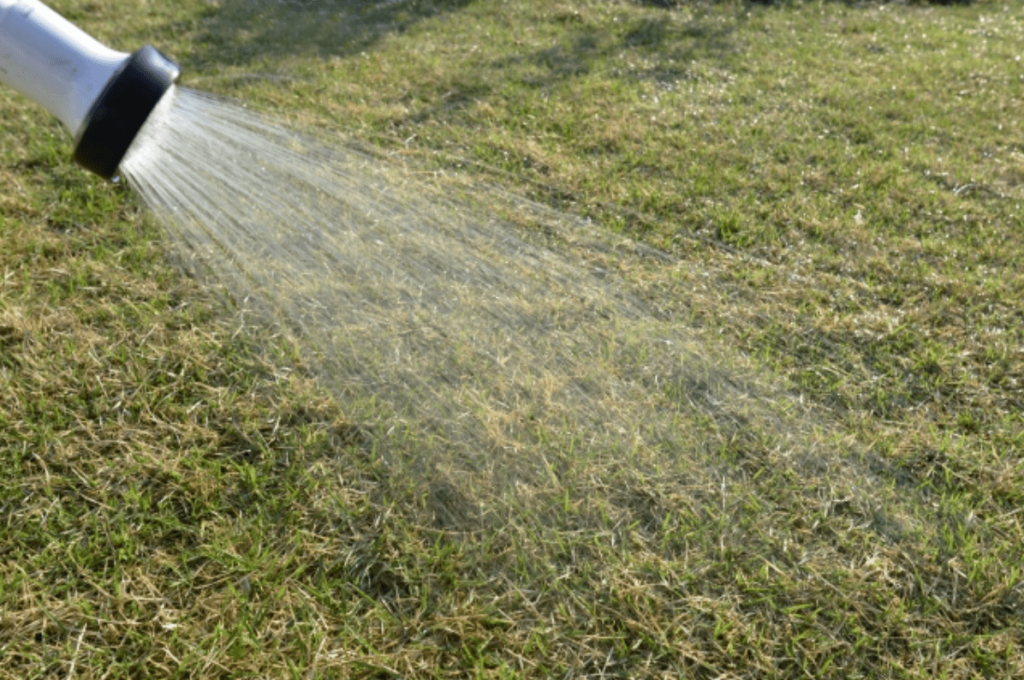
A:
(182, 495)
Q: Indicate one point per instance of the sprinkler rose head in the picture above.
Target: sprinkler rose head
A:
(102, 96)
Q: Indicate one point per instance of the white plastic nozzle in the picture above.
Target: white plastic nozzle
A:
(53, 62)
(102, 96)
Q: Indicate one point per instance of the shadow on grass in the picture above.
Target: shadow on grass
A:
(239, 32)
(242, 31)
(642, 48)
(670, 49)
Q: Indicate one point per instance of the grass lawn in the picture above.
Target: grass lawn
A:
(834, 193)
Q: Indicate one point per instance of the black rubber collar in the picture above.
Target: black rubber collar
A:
(122, 108)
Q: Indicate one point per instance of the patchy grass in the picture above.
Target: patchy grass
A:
(837, 189)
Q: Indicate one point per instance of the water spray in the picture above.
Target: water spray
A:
(102, 96)
(431, 318)
(459, 325)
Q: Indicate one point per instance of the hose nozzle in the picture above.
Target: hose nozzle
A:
(119, 112)
(100, 95)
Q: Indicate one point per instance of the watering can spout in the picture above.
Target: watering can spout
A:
(102, 96)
